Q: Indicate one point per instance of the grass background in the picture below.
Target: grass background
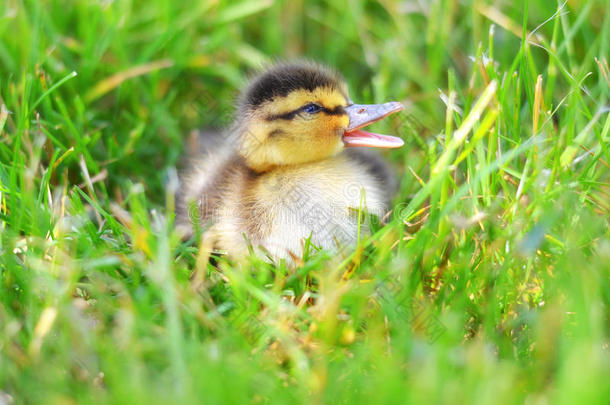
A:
(490, 283)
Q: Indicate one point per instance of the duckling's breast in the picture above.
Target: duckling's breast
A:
(320, 200)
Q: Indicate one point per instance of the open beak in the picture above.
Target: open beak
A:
(361, 115)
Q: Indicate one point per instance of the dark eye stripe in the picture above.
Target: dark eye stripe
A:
(339, 110)
(284, 116)
(335, 111)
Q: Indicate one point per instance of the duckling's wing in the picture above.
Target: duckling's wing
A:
(207, 154)
(377, 168)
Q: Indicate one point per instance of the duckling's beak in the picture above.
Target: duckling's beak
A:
(361, 115)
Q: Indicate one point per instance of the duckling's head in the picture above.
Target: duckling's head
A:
(301, 112)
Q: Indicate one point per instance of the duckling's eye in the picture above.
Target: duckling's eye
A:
(312, 108)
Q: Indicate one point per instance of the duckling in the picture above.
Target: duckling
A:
(286, 171)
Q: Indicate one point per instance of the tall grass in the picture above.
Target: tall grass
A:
(489, 284)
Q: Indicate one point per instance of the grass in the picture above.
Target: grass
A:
(490, 283)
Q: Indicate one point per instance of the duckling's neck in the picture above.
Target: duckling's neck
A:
(262, 151)
(262, 168)
(258, 168)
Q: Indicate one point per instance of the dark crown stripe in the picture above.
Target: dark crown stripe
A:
(281, 80)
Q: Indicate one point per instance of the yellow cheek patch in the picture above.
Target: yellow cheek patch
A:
(295, 139)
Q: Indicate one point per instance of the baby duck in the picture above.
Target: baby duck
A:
(285, 171)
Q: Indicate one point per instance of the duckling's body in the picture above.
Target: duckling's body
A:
(289, 176)
(277, 209)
